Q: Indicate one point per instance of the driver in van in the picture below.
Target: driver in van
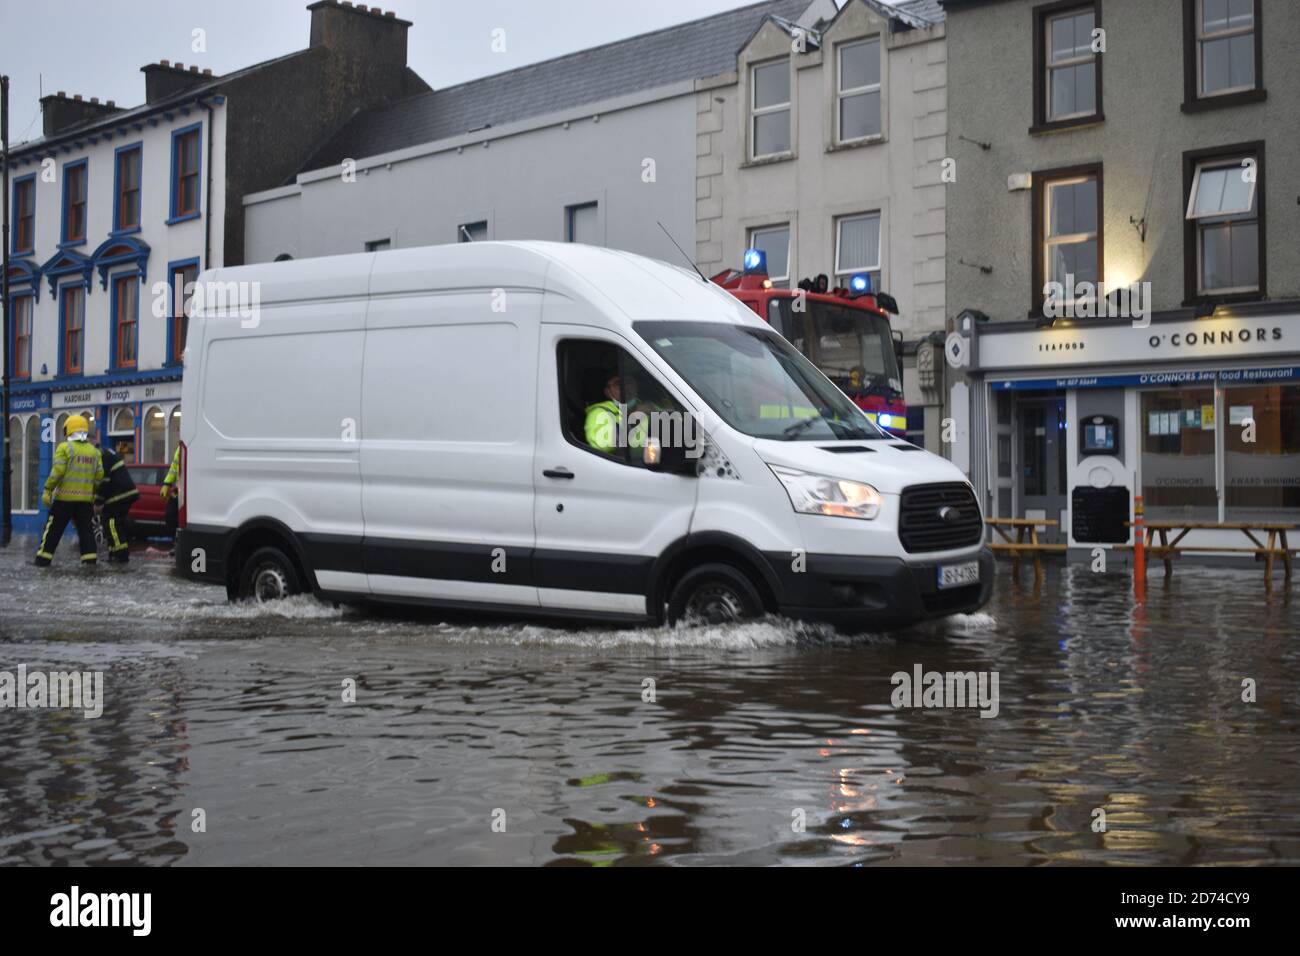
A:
(602, 421)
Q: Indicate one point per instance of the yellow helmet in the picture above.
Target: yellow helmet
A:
(76, 425)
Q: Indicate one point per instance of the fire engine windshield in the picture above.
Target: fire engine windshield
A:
(757, 382)
(853, 348)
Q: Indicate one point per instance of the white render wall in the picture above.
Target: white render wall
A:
(519, 182)
(183, 240)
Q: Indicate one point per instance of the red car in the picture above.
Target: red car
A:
(148, 512)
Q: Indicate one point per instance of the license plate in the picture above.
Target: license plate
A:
(957, 575)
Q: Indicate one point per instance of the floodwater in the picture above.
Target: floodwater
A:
(225, 738)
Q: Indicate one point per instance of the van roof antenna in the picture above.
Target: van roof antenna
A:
(683, 252)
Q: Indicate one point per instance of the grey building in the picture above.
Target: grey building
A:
(596, 146)
(1123, 260)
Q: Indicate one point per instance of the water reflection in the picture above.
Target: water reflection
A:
(766, 743)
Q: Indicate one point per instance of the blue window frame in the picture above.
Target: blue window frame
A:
(124, 321)
(186, 174)
(178, 273)
(128, 189)
(76, 202)
(24, 213)
(22, 308)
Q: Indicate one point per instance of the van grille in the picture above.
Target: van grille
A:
(920, 527)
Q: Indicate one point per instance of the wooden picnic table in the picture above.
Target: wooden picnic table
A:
(1276, 546)
(1022, 527)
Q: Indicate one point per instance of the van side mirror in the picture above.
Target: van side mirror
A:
(669, 459)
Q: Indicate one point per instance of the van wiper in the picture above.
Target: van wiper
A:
(791, 430)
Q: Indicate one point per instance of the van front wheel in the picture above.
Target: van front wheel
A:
(268, 575)
(714, 594)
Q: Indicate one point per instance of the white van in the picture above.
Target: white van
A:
(416, 426)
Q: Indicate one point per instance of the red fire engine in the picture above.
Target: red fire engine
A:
(844, 332)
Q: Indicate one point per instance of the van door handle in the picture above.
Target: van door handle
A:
(557, 473)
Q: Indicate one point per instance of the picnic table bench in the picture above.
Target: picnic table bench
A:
(1275, 546)
(1020, 547)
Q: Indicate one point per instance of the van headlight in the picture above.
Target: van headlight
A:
(821, 495)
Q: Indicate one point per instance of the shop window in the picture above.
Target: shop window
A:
(173, 431)
(857, 248)
(32, 463)
(1178, 434)
(774, 241)
(1262, 453)
(155, 435)
(121, 433)
(18, 473)
(594, 373)
(1224, 225)
(1067, 70)
(859, 90)
(770, 109)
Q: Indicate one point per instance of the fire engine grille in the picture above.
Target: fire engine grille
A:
(926, 524)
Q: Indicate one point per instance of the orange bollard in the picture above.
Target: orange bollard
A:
(1139, 551)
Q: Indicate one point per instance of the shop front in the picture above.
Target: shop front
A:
(1201, 416)
(141, 421)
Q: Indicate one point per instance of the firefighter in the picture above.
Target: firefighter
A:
(117, 492)
(70, 493)
(168, 493)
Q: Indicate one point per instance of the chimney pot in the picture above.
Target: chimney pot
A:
(194, 69)
(61, 95)
(390, 14)
(362, 7)
(94, 99)
(347, 3)
(164, 62)
(111, 103)
(77, 97)
(207, 72)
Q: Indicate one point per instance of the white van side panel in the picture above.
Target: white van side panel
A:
(278, 407)
(447, 441)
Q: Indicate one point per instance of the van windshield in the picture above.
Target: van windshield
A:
(757, 382)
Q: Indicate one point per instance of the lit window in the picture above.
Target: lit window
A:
(1071, 220)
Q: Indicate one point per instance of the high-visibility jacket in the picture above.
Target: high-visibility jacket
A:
(118, 485)
(601, 428)
(174, 471)
(77, 472)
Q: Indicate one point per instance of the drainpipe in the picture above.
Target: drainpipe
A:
(207, 214)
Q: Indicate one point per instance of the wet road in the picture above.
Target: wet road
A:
(460, 731)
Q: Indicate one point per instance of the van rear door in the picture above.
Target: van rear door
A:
(447, 446)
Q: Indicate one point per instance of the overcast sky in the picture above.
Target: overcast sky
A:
(96, 47)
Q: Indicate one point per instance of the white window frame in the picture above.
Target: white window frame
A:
(841, 94)
(1049, 64)
(756, 111)
(1222, 217)
(1066, 239)
(878, 268)
(780, 282)
(1227, 34)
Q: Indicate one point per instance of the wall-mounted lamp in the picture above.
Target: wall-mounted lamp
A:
(1018, 182)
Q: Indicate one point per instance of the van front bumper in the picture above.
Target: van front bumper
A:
(859, 593)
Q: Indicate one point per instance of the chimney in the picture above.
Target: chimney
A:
(60, 111)
(165, 78)
(360, 30)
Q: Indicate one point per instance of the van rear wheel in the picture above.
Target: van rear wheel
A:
(268, 575)
(714, 594)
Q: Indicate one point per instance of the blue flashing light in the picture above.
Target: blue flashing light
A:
(860, 284)
(755, 262)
